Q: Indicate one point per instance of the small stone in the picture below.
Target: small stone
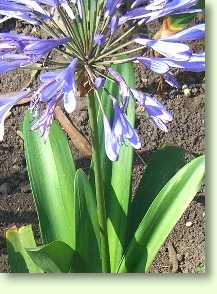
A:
(186, 90)
(180, 257)
(145, 81)
(188, 224)
(204, 214)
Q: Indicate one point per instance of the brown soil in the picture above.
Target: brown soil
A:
(187, 131)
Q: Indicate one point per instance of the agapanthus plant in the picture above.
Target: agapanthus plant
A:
(85, 41)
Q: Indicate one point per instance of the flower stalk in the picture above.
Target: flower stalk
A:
(100, 197)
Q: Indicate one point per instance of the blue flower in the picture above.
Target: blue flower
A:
(157, 9)
(61, 85)
(89, 50)
(121, 131)
(26, 10)
(169, 49)
(156, 111)
(112, 6)
(99, 82)
(38, 48)
(124, 89)
(56, 86)
(45, 120)
(6, 103)
(17, 50)
(100, 39)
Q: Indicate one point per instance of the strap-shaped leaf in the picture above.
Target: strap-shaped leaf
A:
(86, 222)
(17, 240)
(162, 166)
(162, 216)
(51, 172)
(56, 257)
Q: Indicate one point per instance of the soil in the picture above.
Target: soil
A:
(184, 250)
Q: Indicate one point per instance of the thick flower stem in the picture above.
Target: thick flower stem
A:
(99, 184)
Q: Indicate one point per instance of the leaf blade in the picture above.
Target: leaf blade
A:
(51, 172)
(162, 217)
(86, 222)
(17, 240)
(161, 167)
(56, 257)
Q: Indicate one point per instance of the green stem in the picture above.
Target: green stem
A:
(100, 198)
(114, 50)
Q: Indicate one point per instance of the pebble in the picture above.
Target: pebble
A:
(188, 224)
(180, 257)
(186, 90)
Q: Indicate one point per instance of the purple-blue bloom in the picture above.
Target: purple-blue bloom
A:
(155, 64)
(46, 118)
(114, 23)
(19, 50)
(11, 61)
(99, 82)
(86, 55)
(171, 79)
(124, 89)
(112, 6)
(56, 86)
(38, 48)
(196, 32)
(100, 39)
(169, 49)
(6, 103)
(196, 63)
(158, 9)
(60, 84)
(121, 131)
(154, 108)
(25, 10)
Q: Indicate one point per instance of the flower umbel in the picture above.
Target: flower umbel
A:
(85, 35)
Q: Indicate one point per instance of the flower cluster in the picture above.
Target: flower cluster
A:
(86, 34)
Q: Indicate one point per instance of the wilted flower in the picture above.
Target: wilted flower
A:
(84, 33)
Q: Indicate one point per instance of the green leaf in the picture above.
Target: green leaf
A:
(51, 172)
(162, 216)
(56, 257)
(181, 21)
(19, 260)
(161, 167)
(86, 223)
